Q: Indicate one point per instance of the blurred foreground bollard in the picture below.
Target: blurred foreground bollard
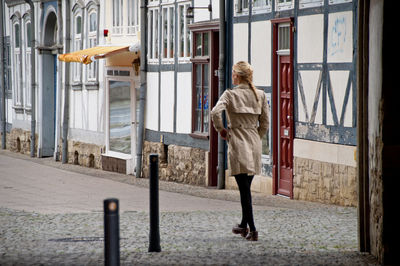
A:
(111, 232)
(154, 210)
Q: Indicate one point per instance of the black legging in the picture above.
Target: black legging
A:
(244, 183)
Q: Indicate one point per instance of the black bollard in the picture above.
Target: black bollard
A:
(111, 232)
(154, 209)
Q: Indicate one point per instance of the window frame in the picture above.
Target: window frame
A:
(288, 4)
(92, 41)
(132, 17)
(27, 63)
(117, 17)
(187, 47)
(200, 60)
(77, 44)
(240, 10)
(168, 55)
(16, 63)
(153, 41)
(261, 9)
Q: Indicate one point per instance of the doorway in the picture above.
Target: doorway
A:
(49, 88)
(282, 90)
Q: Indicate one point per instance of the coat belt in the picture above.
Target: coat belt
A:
(242, 126)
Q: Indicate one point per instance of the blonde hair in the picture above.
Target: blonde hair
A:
(245, 74)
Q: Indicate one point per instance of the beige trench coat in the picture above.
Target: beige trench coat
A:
(248, 121)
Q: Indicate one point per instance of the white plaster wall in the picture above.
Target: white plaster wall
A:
(340, 37)
(201, 14)
(184, 103)
(310, 41)
(151, 117)
(167, 102)
(77, 110)
(240, 42)
(339, 80)
(310, 82)
(215, 9)
(325, 152)
(92, 108)
(261, 52)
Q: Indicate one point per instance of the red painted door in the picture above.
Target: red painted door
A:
(282, 107)
(285, 137)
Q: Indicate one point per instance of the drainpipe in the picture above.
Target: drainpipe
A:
(33, 78)
(2, 84)
(66, 85)
(143, 85)
(56, 155)
(221, 88)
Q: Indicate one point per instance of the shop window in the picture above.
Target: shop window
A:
(201, 83)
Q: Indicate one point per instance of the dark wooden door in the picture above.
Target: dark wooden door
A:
(285, 138)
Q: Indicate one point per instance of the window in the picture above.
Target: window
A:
(77, 45)
(92, 42)
(201, 81)
(28, 46)
(133, 16)
(266, 140)
(118, 9)
(153, 34)
(283, 5)
(260, 6)
(242, 6)
(17, 65)
(168, 32)
(183, 32)
(310, 3)
(284, 37)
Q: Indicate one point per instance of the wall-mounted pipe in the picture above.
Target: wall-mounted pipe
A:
(66, 84)
(2, 80)
(143, 86)
(221, 89)
(33, 79)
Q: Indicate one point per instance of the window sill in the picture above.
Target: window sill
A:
(199, 136)
(92, 86)
(76, 86)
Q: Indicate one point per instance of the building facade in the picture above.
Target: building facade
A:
(303, 55)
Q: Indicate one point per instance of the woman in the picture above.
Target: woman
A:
(247, 120)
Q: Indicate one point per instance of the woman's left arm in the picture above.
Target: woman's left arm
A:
(264, 117)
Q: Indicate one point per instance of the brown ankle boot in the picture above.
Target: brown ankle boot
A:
(239, 230)
(252, 236)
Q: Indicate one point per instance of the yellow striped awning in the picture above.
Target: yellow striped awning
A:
(86, 56)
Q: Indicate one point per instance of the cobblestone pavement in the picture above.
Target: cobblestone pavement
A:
(290, 232)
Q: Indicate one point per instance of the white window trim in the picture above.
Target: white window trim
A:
(334, 2)
(153, 3)
(185, 58)
(90, 36)
(152, 58)
(262, 9)
(168, 59)
(28, 52)
(133, 17)
(310, 3)
(244, 11)
(118, 22)
(16, 62)
(77, 67)
(284, 6)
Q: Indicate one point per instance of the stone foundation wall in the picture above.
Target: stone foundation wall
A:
(176, 163)
(84, 154)
(325, 182)
(19, 140)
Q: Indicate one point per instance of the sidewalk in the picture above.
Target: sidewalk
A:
(51, 214)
